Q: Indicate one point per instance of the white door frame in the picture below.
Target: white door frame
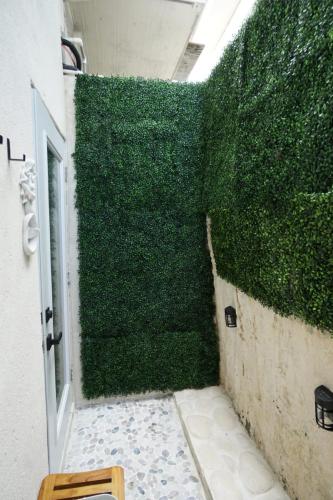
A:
(47, 137)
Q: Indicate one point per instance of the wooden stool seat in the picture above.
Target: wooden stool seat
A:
(83, 484)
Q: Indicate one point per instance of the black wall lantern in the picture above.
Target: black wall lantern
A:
(324, 407)
(230, 317)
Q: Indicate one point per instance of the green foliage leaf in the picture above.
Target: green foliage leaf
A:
(267, 142)
(146, 289)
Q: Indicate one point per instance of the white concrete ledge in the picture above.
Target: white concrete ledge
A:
(230, 464)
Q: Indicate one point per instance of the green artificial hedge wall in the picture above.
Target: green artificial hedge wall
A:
(146, 286)
(268, 147)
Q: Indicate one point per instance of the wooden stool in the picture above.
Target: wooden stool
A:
(82, 484)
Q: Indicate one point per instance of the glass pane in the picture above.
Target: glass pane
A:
(55, 241)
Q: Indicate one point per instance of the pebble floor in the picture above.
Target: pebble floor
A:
(146, 438)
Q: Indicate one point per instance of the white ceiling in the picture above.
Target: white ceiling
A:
(218, 25)
(135, 37)
(214, 20)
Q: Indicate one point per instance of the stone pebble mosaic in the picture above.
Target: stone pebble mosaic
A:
(146, 438)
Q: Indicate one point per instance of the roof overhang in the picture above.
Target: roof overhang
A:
(145, 38)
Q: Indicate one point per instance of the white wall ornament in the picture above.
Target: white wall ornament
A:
(30, 230)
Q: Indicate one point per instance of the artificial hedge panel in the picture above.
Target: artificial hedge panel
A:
(145, 278)
(268, 147)
(137, 363)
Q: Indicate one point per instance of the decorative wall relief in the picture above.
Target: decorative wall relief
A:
(30, 231)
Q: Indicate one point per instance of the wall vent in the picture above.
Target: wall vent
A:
(188, 60)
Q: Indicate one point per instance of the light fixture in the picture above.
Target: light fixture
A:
(230, 317)
(324, 407)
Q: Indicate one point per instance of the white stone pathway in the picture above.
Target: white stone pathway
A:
(230, 464)
(146, 438)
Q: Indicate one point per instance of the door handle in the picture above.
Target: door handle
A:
(48, 314)
(52, 341)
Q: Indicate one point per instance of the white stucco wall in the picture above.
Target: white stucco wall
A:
(29, 54)
(72, 243)
(270, 366)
